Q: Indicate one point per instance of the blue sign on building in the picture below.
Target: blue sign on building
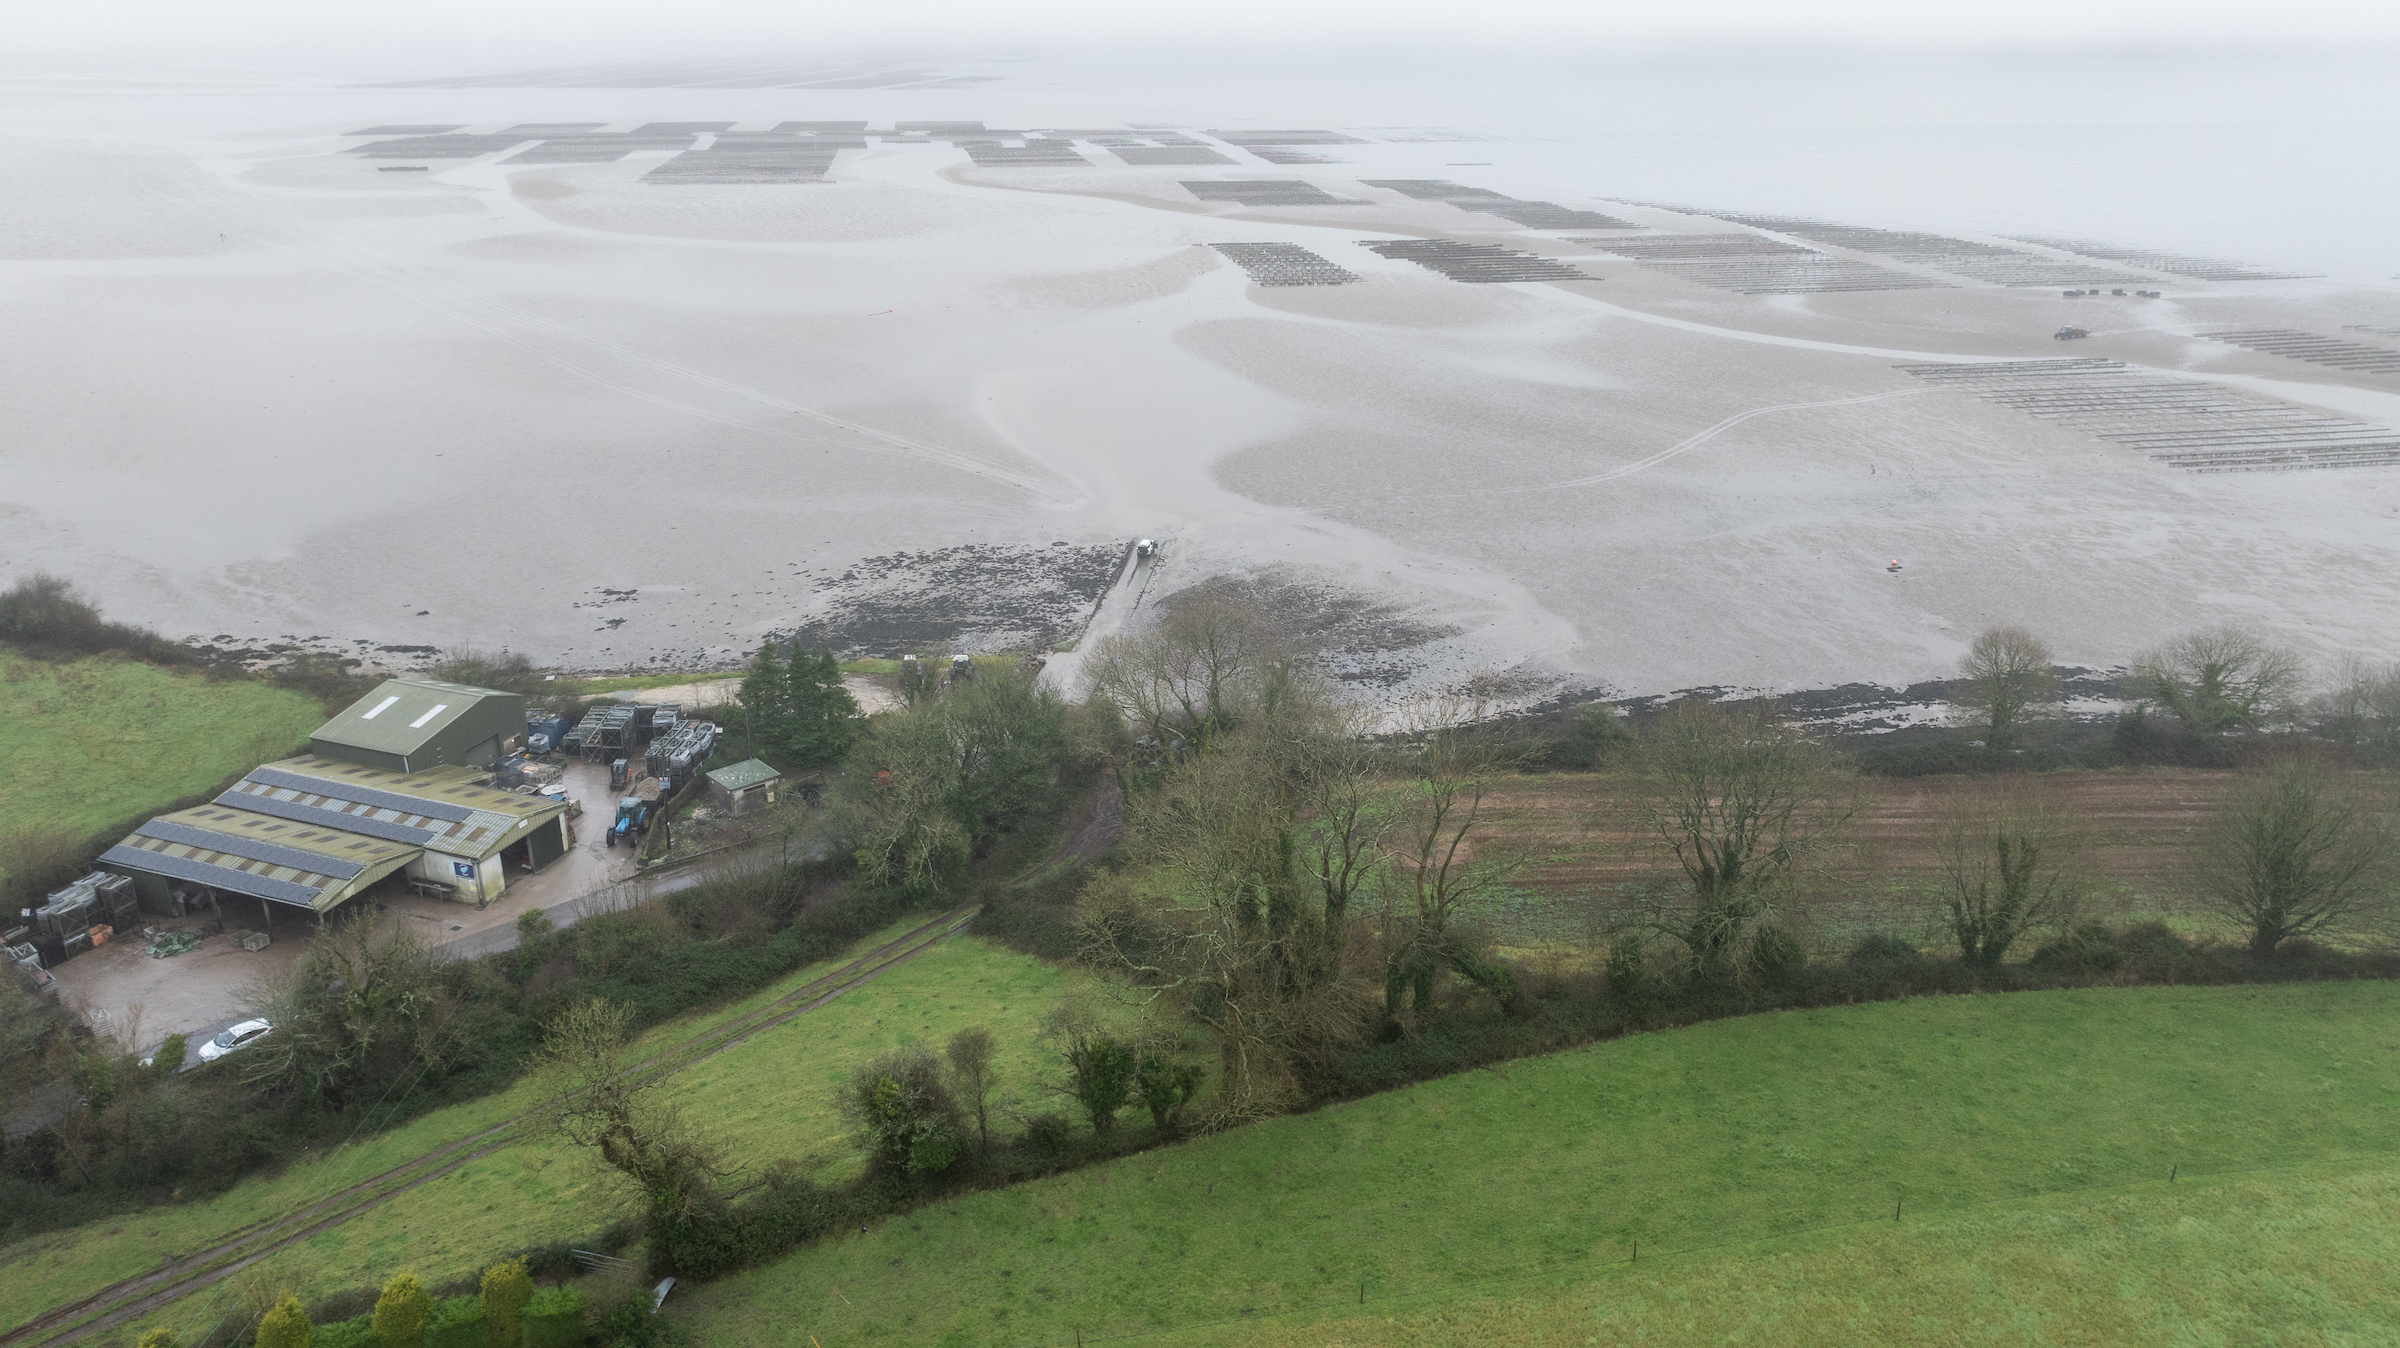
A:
(465, 870)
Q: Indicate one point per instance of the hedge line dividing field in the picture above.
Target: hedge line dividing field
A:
(1746, 1129)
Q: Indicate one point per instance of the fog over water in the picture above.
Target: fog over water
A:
(255, 386)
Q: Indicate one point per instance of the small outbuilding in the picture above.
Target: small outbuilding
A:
(744, 787)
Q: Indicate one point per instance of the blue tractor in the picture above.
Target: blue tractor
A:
(632, 817)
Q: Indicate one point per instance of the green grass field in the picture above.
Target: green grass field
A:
(595, 685)
(772, 1097)
(1766, 1128)
(93, 742)
(2298, 1257)
(573, 686)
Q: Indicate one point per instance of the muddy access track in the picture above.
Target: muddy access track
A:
(187, 1274)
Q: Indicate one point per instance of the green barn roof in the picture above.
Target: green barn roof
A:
(747, 773)
(403, 715)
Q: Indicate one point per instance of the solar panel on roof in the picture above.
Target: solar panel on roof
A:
(313, 814)
(215, 877)
(366, 795)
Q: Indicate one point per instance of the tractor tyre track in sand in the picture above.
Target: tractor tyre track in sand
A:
(247, 1245)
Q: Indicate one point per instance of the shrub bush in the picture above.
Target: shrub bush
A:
(355, 1332)
(1776, 954)
(1049, 1136)
(45, 616)
(2088, 949)
(787, 1210)
(906, 1118)
(1882, 950)
(456, 1322)
(552, 1319)
(618, 1313)
(1627, 975)
(1037, 915)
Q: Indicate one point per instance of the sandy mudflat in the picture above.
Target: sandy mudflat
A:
(256, 388)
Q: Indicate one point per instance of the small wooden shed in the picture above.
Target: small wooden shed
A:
(744, 787)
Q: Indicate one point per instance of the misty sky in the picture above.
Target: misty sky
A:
(472, 32)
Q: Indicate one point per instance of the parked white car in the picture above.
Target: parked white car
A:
(234, 1039)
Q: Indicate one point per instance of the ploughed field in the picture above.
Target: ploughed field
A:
(2134, 830)
(2027, 1139)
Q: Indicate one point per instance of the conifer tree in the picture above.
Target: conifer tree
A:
(823, 718)
(286, 1326)
(506, 1289)
(401, 1312)
(766, 699)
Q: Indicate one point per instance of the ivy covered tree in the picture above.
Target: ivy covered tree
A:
(1100, 1069)
(1165, 1087)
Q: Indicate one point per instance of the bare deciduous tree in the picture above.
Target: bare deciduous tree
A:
(2363, 707)
(2296, 851)
(2008, 865)
(1343, 824)
(972, 1076)
(2009, 681)
(1237, 950)
(1437, 865)
(2219, 679)
(1255, 803)
(1204, 667)
(1741, 798)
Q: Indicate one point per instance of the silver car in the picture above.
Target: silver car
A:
(235, 1038)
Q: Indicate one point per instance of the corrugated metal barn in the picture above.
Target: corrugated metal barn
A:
(408, 725)
(315, 831)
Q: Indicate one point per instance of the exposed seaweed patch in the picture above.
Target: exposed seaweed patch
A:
(1876, 710)
(1358, 639)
